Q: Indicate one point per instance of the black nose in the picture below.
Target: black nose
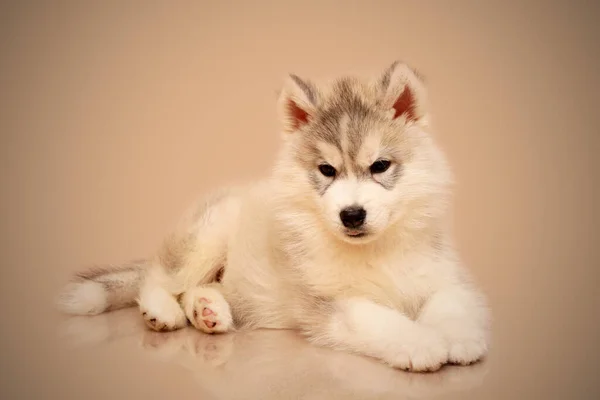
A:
(353, 217)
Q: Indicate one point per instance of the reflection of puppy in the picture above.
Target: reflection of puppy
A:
(295, 369)
(208, 350)
(85, 331)
(346, 242)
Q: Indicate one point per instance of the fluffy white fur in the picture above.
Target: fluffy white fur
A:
(275, 253)
(83, 298)
(158, 306)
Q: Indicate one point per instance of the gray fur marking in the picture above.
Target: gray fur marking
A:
(306, 88)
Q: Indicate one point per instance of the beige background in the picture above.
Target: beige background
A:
(114, 115)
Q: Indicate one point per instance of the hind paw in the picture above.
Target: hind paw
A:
(207, 310)
(161, 325)
(160, 311)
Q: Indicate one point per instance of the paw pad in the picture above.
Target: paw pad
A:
(207, 310)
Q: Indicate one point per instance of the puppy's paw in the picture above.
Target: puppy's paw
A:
(164, 321)
(207, 309)
(467, 343)
(160, 311)
(427, 352)
(467, 350)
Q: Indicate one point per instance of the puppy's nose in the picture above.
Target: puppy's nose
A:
(353, 217)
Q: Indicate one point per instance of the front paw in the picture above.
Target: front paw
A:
(426, 352)
(467, 350)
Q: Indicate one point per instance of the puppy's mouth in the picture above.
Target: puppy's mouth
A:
(355, 234)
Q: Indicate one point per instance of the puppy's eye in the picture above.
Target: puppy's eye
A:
(327, 170)
(380, 166)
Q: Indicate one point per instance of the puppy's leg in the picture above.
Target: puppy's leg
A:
(207, 309)
(157, 303)
(361, 326)
(192, 255)
(462, 318)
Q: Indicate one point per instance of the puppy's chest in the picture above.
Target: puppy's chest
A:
(403, 283)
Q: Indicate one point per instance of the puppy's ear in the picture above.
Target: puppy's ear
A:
(403, 93)
(297, 103)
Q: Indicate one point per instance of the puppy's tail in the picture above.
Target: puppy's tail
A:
(103, 289)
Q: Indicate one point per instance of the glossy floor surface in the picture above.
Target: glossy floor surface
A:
(114, 115)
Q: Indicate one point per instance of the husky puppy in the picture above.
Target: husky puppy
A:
(347, 241)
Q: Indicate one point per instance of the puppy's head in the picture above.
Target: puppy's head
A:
(358, 154)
